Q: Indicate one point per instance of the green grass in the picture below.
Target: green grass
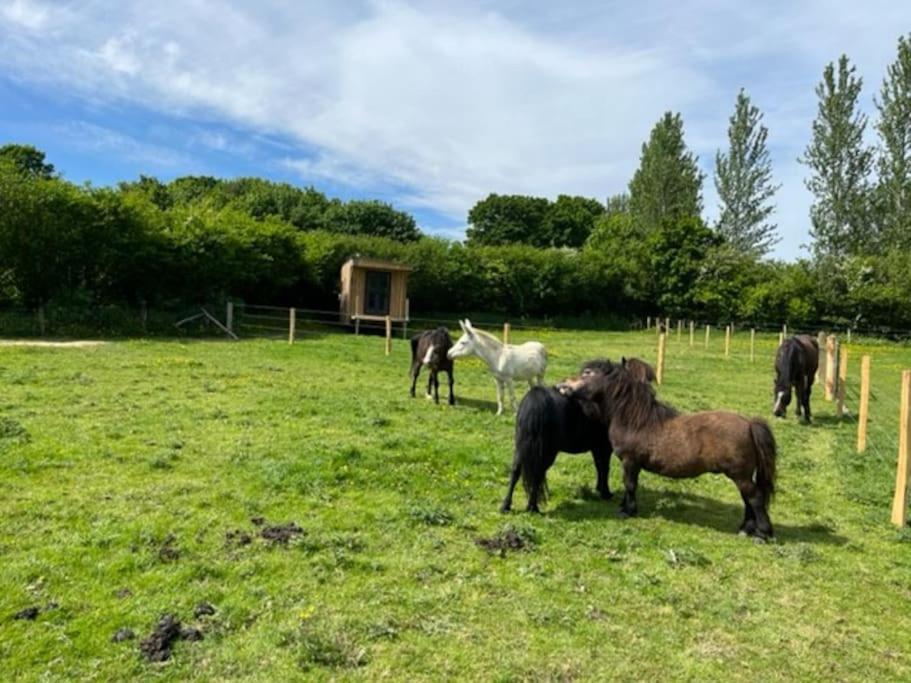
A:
(125, 466)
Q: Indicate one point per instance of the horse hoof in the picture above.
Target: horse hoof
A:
(505, 509)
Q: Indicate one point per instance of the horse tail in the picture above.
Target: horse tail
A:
(531, 451)
(766, 452)
(415, 340)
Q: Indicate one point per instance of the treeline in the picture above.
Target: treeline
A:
(646, 251)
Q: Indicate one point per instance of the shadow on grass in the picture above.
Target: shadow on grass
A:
(480, 404)
(695, 510)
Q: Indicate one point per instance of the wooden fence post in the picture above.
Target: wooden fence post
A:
(667, 326)
(821, 368)
(679, 328)
(692, 333)
(229, 316)
(849, 335)
(752, 344)
(357, 319)
(864, 409)
(388, 335)
(292, 324)
(784, 331)
(842, 378)
(505, 333)
(727, 341)
(707, 329)
(831, 370)
(780, 338)
(407, 318)
(662, 350)
(900, 501)
(648, 322)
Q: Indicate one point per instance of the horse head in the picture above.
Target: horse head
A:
(467, 344)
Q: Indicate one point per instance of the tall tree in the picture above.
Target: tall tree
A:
(28, 160)
(569, 221)
(667, 186)
(743, 179)
(840, 165)
(508, 219)
(894, 162)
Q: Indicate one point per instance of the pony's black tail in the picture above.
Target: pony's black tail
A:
(414, 347)
(531, 449)
(766, 452)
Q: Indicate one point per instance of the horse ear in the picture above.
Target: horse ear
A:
(468, 326)
(623, 361)
(462, 325)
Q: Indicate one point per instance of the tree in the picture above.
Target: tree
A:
(617, 203)
(569, 221)
(361, 217)
(743, 179)
(840, 165)
(42, 233)
(667, 186)
(508, 219)
(893, 193)
(678, 251)
(28, 160)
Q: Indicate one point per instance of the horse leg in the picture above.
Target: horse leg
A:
(753, 497)
(436, 386)
(415, 371)
(512, 393)
(602, 465)
(451, 382)
(748, 526)
(499, 396)
(808, 386)
(628, 507)
(513, 480)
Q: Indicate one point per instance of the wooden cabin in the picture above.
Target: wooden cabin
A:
(372, 289)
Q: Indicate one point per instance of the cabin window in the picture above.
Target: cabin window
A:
(378, 286)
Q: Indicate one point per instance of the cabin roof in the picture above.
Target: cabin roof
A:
(377, 264)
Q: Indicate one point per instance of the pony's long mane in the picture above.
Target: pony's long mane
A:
(633, 403)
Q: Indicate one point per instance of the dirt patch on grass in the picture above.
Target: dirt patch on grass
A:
(281, 533)
(508, 539)
(83, 344)
(158, 646)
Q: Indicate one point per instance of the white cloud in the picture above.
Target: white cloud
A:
(453, 102)
(25, 13)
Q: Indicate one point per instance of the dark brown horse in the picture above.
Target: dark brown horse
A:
(648, 434)
(430, 348)
(795, 366)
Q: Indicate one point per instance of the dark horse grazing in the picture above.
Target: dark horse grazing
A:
(795, 366)
(429, 348)
(549, 422)
(648, 434)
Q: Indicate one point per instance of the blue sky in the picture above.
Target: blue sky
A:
(428, 105)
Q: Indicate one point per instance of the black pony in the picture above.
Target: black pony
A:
(795, 365)
(549, 422)
(429, 348)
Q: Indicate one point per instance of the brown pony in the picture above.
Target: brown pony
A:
(650, 435)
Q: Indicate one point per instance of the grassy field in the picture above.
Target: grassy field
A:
(138, 477)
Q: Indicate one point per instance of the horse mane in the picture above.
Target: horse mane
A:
(633, 403)
(486, 335)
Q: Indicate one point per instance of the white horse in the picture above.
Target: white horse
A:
(506, 362)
